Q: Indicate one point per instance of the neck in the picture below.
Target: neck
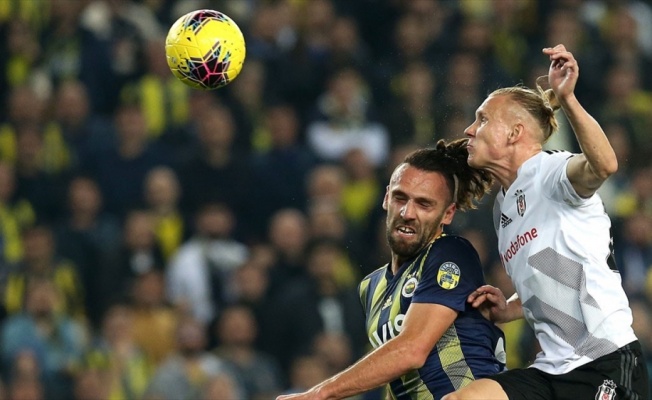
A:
(398, 260)
(506, 172)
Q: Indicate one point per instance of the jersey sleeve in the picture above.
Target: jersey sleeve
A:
(452, 270)
(555, 182)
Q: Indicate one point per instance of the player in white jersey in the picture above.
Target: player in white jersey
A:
(555, 243)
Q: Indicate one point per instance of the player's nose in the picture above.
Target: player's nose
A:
(470, 130)
(408, 211)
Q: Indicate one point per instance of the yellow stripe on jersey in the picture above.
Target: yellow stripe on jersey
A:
(364, 287)
(412, 381)
(452, 359)
(379, 290)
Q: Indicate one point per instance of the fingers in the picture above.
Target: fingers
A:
(558, 48)
(560, 57)
(479, 300)
(479, 295)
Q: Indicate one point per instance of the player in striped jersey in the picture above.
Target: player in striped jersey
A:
(555, 243)
(428, 341)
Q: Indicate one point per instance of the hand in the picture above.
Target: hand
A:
(491, 302)
(563, 72)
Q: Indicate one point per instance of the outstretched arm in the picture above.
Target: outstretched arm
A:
(423, 326)
(598, 160)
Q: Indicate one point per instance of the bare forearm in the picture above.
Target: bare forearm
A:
(595, 146)
(377, 368)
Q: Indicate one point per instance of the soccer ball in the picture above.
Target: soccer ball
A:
(205, 49)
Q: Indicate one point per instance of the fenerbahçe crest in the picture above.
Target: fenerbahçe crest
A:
(409, 287)
(448, 276)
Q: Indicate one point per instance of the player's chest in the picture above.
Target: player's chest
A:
(389, 306)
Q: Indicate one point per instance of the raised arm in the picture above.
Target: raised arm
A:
(598, 160)
(423, 326)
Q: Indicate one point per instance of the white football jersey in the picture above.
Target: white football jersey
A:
(558, 250)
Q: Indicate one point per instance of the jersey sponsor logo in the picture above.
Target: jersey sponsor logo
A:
(606, 391)
(520, 202)
(409, 287)
(516, 245)
(504, 220)
(448, 276)
(388, 330)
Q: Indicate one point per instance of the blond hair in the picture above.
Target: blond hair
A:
(540, 103)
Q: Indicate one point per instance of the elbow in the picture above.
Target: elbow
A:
(612, 168)
(607, 169)
(416, 358)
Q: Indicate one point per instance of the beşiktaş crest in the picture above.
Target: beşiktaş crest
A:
(606, 391)
(520, 202)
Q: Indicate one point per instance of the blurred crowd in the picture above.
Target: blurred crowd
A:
(159, 242)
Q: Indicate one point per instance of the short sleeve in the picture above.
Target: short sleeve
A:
(555, 180)
(451, 272)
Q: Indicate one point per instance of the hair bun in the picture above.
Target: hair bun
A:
(551, 100)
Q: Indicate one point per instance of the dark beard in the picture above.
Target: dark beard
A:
(405, 250)
(402, 249)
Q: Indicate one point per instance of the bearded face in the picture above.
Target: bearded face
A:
(418, 205)
(408, 238)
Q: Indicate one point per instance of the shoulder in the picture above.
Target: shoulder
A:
(453, 250)
(376, 273)
(552, 157)
(548, 166)
(453, 243)
(369, 284)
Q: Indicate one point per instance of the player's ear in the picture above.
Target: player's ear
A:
(516, 133)
(449, 213)
(386, 198)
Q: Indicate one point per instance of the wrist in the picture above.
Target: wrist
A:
(514, 310)
(323, 392)
(567, 100)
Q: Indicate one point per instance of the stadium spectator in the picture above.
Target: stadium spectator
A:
(154, 319)
(88, 237)
(214, 172)
(345, 118)
(199, 276)
(16, 214)
(162, 194)
(134, 155)
(42, 260)
(280, 172)
(116, 351)
(236, 332)
(50, 341)
(189, 368)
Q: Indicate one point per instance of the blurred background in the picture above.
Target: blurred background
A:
(160, 242)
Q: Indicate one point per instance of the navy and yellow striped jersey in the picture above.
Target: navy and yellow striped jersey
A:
(445, 273)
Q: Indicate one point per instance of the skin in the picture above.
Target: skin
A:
(502, 138)
(418, 205)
